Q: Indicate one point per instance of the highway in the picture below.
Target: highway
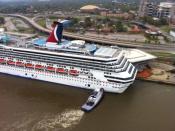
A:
(25, 36)
(104, 41)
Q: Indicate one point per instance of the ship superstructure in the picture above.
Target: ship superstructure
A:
(74, 63)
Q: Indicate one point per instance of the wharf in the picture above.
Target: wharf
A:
(159, 73)
(168, 82)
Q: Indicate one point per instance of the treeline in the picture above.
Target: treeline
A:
(152, 21)
(56, 5)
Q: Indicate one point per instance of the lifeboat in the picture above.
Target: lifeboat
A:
(144, 74)
(74, 72)
(10, 62)
(49, 68)
(40, 67)
(19, 64)
(29, 65)
(61, 70)
(2, 60)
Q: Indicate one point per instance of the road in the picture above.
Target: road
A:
(26, 36)
(9, 24)
(160, 47)
(21, 24)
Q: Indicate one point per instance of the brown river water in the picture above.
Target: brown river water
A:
(29, 105)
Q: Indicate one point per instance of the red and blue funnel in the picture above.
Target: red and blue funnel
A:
(56, 34)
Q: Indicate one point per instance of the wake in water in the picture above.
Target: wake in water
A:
(47, 122)
(66, 119)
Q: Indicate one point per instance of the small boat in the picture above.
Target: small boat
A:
(51, 69)
(20, 64)
(2, 61)
(93, 100)
(11, 62)
(29, 65)
(39, 67)
(74, 72)
(61, 70)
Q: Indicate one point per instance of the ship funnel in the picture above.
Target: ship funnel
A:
(56, 34)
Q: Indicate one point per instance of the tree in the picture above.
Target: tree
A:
(159, 22)
(163, 21)
(106, 20)
(88, 22)
(120, 27)
(98, 27)
(166, 39)
(148, 19)
(2, 21)
(75, 21)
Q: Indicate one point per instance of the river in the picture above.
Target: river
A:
(29, 105)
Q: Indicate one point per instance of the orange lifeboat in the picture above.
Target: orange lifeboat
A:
(61, 70)
(2, 60)
(40, 67)
(19, 63)
(29, 65)
(144, 74)
(51, 69)
(10, 62)
(74, 72)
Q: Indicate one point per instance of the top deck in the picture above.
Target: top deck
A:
(79, 48)
(136, 56)
(76, 48)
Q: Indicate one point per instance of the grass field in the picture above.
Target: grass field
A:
(165, 29)
(42, 22)
(164, 56)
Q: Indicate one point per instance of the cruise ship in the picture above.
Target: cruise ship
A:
(73, 63)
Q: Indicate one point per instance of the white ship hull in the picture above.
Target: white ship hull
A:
(64, 79)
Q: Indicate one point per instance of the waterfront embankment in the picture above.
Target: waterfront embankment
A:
(157, 81)
(159, 72)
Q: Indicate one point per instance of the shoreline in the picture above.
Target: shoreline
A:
(157, 81)
(158, 72)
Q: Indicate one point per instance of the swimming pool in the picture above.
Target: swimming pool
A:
(39, 41)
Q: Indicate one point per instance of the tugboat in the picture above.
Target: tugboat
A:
(93, 100)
